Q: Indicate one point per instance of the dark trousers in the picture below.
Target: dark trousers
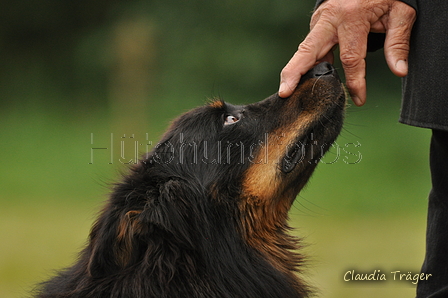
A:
(436, 258)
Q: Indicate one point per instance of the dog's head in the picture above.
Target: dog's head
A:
(260, 151)
(220, 183)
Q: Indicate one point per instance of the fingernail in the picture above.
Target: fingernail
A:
(282, 89)
(357, 101)
(402, 67)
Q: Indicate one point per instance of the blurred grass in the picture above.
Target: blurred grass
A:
(38, 237)
(364, 243)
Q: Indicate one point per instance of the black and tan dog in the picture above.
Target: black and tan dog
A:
(204, 214)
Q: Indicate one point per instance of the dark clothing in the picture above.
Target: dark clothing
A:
(425, 88)
(425, 104)
(436, 259)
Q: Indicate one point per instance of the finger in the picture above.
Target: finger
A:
(353, 49)
(357, 86)
(315, 46)
(329, 57)
(291, 74)
(396, 45)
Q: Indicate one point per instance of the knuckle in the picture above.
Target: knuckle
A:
(397, 42)
(327, 13)
(350, 60)
(315, 18)
(399, 51)
(306, 46)
(352, 85)
(404, 9)
(286, 71)
(327, 8)
(399, 47)
(289, 71)
(352, 7)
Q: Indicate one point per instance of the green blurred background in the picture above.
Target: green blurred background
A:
(77, 75)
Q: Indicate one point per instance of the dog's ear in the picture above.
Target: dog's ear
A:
(168, 215)
(129, 231)
(175, 211)
(113, 240)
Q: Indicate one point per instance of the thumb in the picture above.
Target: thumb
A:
(398, 34)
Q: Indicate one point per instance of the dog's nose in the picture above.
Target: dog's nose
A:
(321, 69)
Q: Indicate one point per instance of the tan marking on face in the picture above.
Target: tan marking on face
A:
(261, 179)
(265, 203)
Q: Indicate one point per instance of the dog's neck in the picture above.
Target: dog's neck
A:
(265, 228)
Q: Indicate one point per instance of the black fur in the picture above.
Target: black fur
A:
(186, 221)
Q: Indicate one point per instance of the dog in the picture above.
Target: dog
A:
(204, 214)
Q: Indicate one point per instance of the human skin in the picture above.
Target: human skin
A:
(347, 23)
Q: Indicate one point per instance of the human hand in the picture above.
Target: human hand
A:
(348, 23)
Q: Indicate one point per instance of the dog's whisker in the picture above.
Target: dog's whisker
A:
(314, 85)
(351, 133)
(310, 212)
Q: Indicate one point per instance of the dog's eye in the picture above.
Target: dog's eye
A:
(230, 120)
